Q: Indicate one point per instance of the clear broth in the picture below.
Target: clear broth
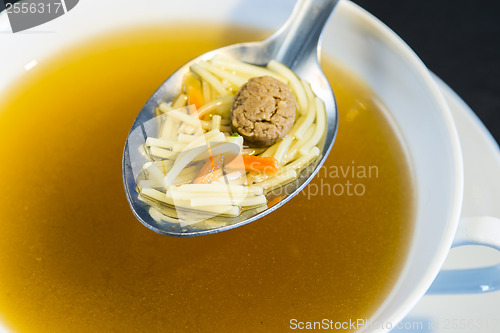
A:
(74, 258)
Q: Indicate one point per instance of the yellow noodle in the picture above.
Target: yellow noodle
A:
(235, 80)
(191, 120)
(187, 175)
(224, 110)
(164, 107)
(209, 78)
(173, 193)
(162, 153)
(156, 195)
(271, 150)
(278, 180)
(299, 119)
(297, 144)
(255, 189)
(231, 176)
(283, 148)
(147, 183)
(169, 128)
(254, 177)
(253, 151)
(178, 147)
(310, 114)
(206, 125)
(164, 165)
(222, 201)
(219, 210)
(179, 102)
(293, 82)
(214, 188)
(188, 129)
(303, 161)
(154, 173)
(236, 140)
(205, 89)
(216, 122)
(186, 138)
(246, 69)
(156, 215)
(209, 107)
(320, 127)
(177, 203)
(203, 139)
(162, 143)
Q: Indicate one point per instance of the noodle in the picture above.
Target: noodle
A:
(155, 174)
(320, 127)
(283, 148)
(278, 180)
(294, 149)
(205, 109)
(169, 128)
(310, 114)
(220, 201)
(198, 165)
(188, 119)
(216, 122)
(179, 102)
(207, 92)
(304, 160)
(164, 107)
(186, 138)
(246, 69)
(236, 80)
(271, 150)
(162, 153)
(294, 83)
(211, 79)
(162, 143)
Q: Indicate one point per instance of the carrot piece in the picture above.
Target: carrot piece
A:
(210, 170)
(275, 201)
(267, 164)
(194, 91)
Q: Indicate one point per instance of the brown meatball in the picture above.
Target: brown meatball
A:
(263, 111)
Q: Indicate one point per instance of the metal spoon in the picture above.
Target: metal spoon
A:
(296, 45)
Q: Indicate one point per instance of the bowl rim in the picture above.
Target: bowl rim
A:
(404, 50)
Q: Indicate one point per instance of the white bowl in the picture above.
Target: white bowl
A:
(357, 40)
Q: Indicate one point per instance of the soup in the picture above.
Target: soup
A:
(74, 258)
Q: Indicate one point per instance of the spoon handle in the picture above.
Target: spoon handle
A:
(299, 37)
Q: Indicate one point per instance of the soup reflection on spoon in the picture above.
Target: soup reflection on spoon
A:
(234, 133)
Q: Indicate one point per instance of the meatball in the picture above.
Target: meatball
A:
(263, 111)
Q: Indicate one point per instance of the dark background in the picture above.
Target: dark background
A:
(459, 40)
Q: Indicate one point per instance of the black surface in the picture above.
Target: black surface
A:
(457, 40)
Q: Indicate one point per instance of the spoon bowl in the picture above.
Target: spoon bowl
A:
(296, 45)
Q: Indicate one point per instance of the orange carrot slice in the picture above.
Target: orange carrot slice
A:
(211, 170)
(267, 164)
(194, 91)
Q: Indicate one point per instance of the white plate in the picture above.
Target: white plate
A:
(478, 313)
